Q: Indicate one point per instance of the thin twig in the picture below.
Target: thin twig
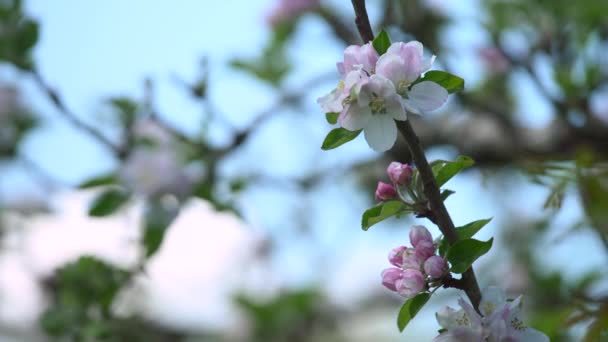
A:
(439, 213)
(72, 118)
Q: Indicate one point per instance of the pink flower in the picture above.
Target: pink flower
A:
(400, 174)
(435, 266)
(411, 283)
(286, 10)
(355, 57)
(411, 260)
(402, 64)
(395, 256)
(385, 192)
(419, 234)
(390, 276)
(425, 250)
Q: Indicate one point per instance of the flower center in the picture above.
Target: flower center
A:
(517, 324)
(402, 88)
(377, 105)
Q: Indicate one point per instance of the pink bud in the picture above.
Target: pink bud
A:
(399, 173)
(418, 234)
(410, 260)
(356, 56)
(385, 192)
(425, 250)
(390, 276)
(395, 256)
(435, 266)
(411, 283)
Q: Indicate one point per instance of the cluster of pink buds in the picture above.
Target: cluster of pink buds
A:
(415, 266)
(400, 175)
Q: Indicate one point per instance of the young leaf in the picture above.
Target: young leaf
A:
(410, 308)
(450, 169)
(381, 212)
(468, 230)
(382, 42)
(338, 137)
(446, 193)
(451, 83)
(463, 253)
(332, 118)
(106, 179)
(108, 202)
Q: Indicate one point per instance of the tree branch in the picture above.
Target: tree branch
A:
(431, 190)
(72, 118)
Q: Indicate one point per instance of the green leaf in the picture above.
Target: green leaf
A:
(410, 308)
(451, 83)
(468, 230)
(101, 180)
(338, 137)
(446, 193)
(463, 253)
(381, 212)
(156, 221)
(449, 169)
(108, 202)
(332, 118)
(382, 42)
(27, 36)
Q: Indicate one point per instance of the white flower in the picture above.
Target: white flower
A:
(501, 321)
(403, 64)
(373, 108)
(334, 101)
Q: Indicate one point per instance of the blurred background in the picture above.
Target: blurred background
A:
(161, 177)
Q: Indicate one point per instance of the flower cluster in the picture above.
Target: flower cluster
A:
(400, 175)
(376, 90)
(415, 266)
(500, 320)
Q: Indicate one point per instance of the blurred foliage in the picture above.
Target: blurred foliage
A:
(570, 37)
(81, 297)
(297, 315)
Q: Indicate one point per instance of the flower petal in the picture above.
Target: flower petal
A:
(492, 298)
(427, 96)
(331, 102)
(394, 107)
(354, 117)
(530, 335)
(381, 133)
(392, 67)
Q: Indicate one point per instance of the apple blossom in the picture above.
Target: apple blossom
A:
(418, 234)
(395, 256)
(425, 250)
(385, 192)
(390, 277)
(355, 57)
(435, 266)
(411, 260)
(400, 174)
(374, 109)
(334, 101)
(402, 64)
(501, 321)
(411, 283)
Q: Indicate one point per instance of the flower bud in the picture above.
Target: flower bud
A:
(425, 250)
(400, 174)
(435, 266)
(411, 283)
(395, 256)
(385, 192)
(390, 276)
(418, 234)
(410, 260)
